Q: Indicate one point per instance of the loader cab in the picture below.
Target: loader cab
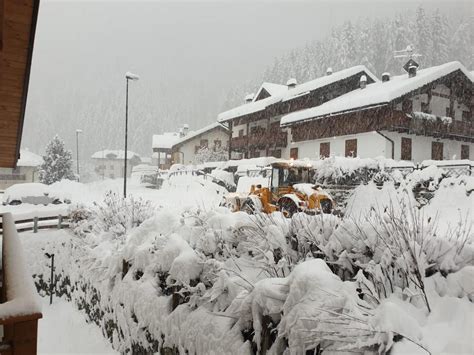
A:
(285, 175)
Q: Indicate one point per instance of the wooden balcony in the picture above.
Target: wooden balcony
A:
(261, 140)
(20, 308)
(239, 143)
(459, 130)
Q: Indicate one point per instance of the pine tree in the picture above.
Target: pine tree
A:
(439, 44)
(462, 43)
(423, 36)
(57, 163)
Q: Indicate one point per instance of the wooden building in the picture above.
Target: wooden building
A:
(255, 126)
(19, 309)
(427, 114)
(17, 33)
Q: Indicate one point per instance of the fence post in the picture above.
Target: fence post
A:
(35, 225)
(60, 221)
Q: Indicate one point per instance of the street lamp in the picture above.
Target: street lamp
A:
(77, 151)
(128, 76)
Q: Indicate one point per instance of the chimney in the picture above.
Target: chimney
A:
(185, 129)
(249, 98)
(181, 133)
(291, 83)
(329, 71)
(363, 82)
(412, 71)
(385, 77)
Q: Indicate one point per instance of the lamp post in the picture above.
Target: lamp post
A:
(51, 280)
(77, 151)
(128, 76)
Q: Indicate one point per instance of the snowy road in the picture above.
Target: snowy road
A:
(63, 330)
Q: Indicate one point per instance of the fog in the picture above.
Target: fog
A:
(188, 55)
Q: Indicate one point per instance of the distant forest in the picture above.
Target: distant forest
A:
(372, 42)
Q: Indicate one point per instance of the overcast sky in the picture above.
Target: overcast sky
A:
(186, 53)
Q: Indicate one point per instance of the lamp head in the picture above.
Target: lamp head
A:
(131, 76)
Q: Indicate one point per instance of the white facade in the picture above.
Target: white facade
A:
(27, 170)
(110, 164)
(372, 145)
(185, 152)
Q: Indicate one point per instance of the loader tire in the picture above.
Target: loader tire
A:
(287, 207)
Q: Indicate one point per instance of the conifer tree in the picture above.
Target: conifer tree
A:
(439, 44)
(57, 163)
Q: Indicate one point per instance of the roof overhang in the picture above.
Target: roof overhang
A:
(17, 33)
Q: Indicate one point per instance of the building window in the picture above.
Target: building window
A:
(241, 133)
(464, 151)
(255, 154)
(466, 116)
(204, 143)
(436, 150)
(196, 149)
(324, 150)
(276, 153)
(351, 148)
(425, 107)
(406, 148)
(294, 153)
(448, 112)
(217, 144)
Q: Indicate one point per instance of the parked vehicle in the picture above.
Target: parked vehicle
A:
(32, 193)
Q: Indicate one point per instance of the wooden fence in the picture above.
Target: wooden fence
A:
(36, 223)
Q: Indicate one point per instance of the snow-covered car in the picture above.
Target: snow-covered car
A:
(32, 193)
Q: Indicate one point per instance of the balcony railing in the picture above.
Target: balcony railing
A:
(261, 140)
(20, 308)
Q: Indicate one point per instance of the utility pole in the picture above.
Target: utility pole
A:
(77, 152)
(128, 76)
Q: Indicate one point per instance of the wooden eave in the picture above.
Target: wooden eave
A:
(17, 33)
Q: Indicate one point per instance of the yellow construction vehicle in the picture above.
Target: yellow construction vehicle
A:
(289, 190)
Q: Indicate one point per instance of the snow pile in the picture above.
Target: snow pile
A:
(224, 176)
(198, 278)
(20, 295)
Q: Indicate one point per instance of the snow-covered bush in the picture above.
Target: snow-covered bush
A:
(353, 171)
(206, 154)
(81, 220)
(115, 215)
(57, 163)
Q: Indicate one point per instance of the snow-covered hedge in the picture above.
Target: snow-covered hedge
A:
(206, 280)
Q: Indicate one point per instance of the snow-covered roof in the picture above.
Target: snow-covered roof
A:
(198, 132)
(28, 158)
(289, 94)
(165, 140)
(378, 93)
(272, 88)
(114, 154)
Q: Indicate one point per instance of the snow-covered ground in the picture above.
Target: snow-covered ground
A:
(196, 277)
(64, 330)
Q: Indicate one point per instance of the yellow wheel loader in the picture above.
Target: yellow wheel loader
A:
(289, 191)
